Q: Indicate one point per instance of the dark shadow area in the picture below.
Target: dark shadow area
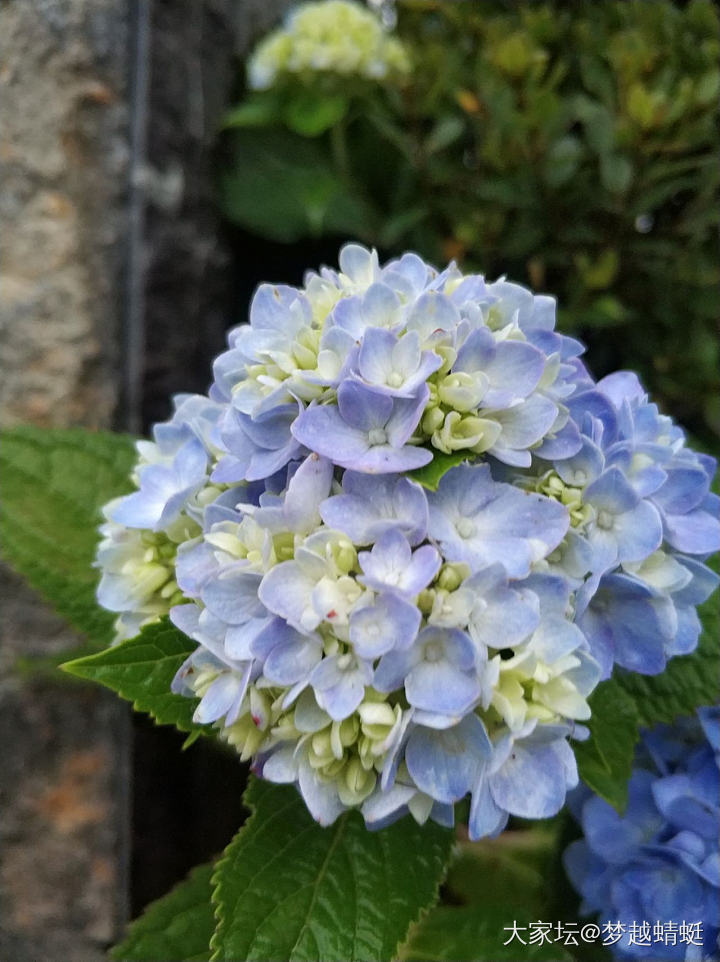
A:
(186, 807)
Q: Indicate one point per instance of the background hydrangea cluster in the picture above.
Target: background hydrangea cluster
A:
(410, 534)
(337, 36)
(572, 146)
(660, 860)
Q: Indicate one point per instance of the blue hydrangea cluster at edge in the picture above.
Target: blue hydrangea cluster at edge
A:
(379, 643)
(660, 860)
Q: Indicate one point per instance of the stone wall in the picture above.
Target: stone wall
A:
(113, 293)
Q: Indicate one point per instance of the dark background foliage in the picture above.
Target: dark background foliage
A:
(571, 147)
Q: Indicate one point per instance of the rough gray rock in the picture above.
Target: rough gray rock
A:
(63, 157)
(112, 296)
(64, 787)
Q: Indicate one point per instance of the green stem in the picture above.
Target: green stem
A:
(338, 144)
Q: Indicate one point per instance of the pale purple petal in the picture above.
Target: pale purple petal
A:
(388, 623)
(363, 408)
(233, 596)
(370, 506)
(638, 532)
(481, 522)
(391, 564)
(239, 639)
(320, 796)
(516, 368)
(286, 590)
(309, 486)
(531, 782)
(683, 490)
(339, 684)
(526, 423)
(383, 459)
(697, 532)
(390, 674)
(486, 818)
(322, 429)
(611, 492)
(441, 687)
(406, 416)
(445, 764)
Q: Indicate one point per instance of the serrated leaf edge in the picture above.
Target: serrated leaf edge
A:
(216, 881)
(71, 667)
(148, 908)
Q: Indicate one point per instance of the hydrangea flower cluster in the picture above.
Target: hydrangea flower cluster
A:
(660, 861)
(330, 36)
(380, 638)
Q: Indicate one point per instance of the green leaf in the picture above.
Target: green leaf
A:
(256, 112)
(491, 884)
(508, 872)
(431, 475)
(472, 933)
(445, 132)
(54, 483)
(311, 114)
(598, 122)
(615, 173)
(177, 927)
(562, 161)
(284, 187)
(688, 682)
(288, 889)
(141, 670)
(605, 759)
(395, 227)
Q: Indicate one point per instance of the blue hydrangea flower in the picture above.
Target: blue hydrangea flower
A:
(384, 638)
(478, 521)
(660, 861)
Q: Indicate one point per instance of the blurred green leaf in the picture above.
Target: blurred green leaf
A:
(177, 926)
(445, 132)
(496, 883)
(394, 229)
(615, 172)
(508, 872)
(260, 112)
(284, 187)
(605, 759)
(598, 121)
(562, 161)
(310, 113)
(600, 272)
(472, 933)
(708, 87)
(54, 483)
(141, 670)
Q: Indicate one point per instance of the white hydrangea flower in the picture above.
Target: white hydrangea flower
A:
(330, 36)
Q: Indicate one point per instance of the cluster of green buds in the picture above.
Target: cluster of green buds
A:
(529, 687)
(138, 578)
(350, 753)
(155, 571)
(552, 486)
(439, 599)
(451, 420)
